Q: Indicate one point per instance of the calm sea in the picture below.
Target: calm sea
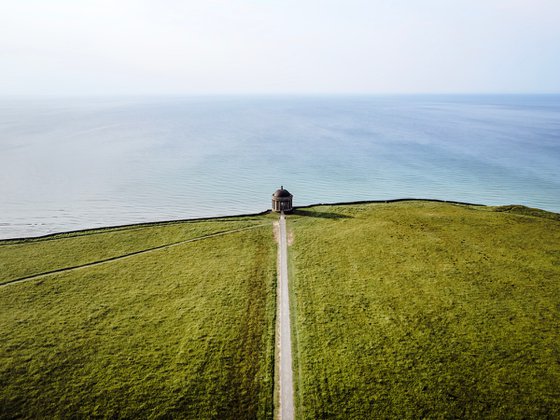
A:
(75, 163)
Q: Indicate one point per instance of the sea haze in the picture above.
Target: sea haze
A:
(77, 163)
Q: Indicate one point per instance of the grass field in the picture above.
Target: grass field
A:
(183, 331)
(27, 257)
(400, 310)
(419, 309)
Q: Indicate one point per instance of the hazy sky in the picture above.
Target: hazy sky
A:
(278, 46)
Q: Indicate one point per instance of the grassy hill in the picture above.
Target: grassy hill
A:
(420, 309)
(403, 310)
(182, 329)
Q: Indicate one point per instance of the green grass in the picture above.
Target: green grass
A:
(31, 256)
(185, 331)
(419, 309)
(400, 310)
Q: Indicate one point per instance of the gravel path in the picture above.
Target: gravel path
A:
(286, 411)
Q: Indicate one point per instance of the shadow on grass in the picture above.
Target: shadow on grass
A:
(322, 215)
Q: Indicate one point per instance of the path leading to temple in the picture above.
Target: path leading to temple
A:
(286, 388)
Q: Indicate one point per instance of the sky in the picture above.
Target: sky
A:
(74, 47)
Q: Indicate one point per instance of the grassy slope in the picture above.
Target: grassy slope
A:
(185, 331)
(426, 309)
(32, 256)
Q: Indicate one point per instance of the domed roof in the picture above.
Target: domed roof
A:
(282, 193)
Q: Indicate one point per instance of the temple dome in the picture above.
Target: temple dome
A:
(282, 193)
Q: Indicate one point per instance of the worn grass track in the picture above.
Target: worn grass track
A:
(28, 257)
(410, 310)
(185, 331)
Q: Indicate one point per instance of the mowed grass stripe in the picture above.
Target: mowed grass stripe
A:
(211, 235)
(187, 331)
(416, 310)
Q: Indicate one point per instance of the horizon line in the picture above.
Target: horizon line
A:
(264, 94)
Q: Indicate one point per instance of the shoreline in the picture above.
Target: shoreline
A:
(87, 231)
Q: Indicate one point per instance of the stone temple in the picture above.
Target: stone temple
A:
(282, 201)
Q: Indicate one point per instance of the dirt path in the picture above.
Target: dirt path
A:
(120, 257)
(286, 388)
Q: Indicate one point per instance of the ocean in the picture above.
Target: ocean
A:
(75, 163)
